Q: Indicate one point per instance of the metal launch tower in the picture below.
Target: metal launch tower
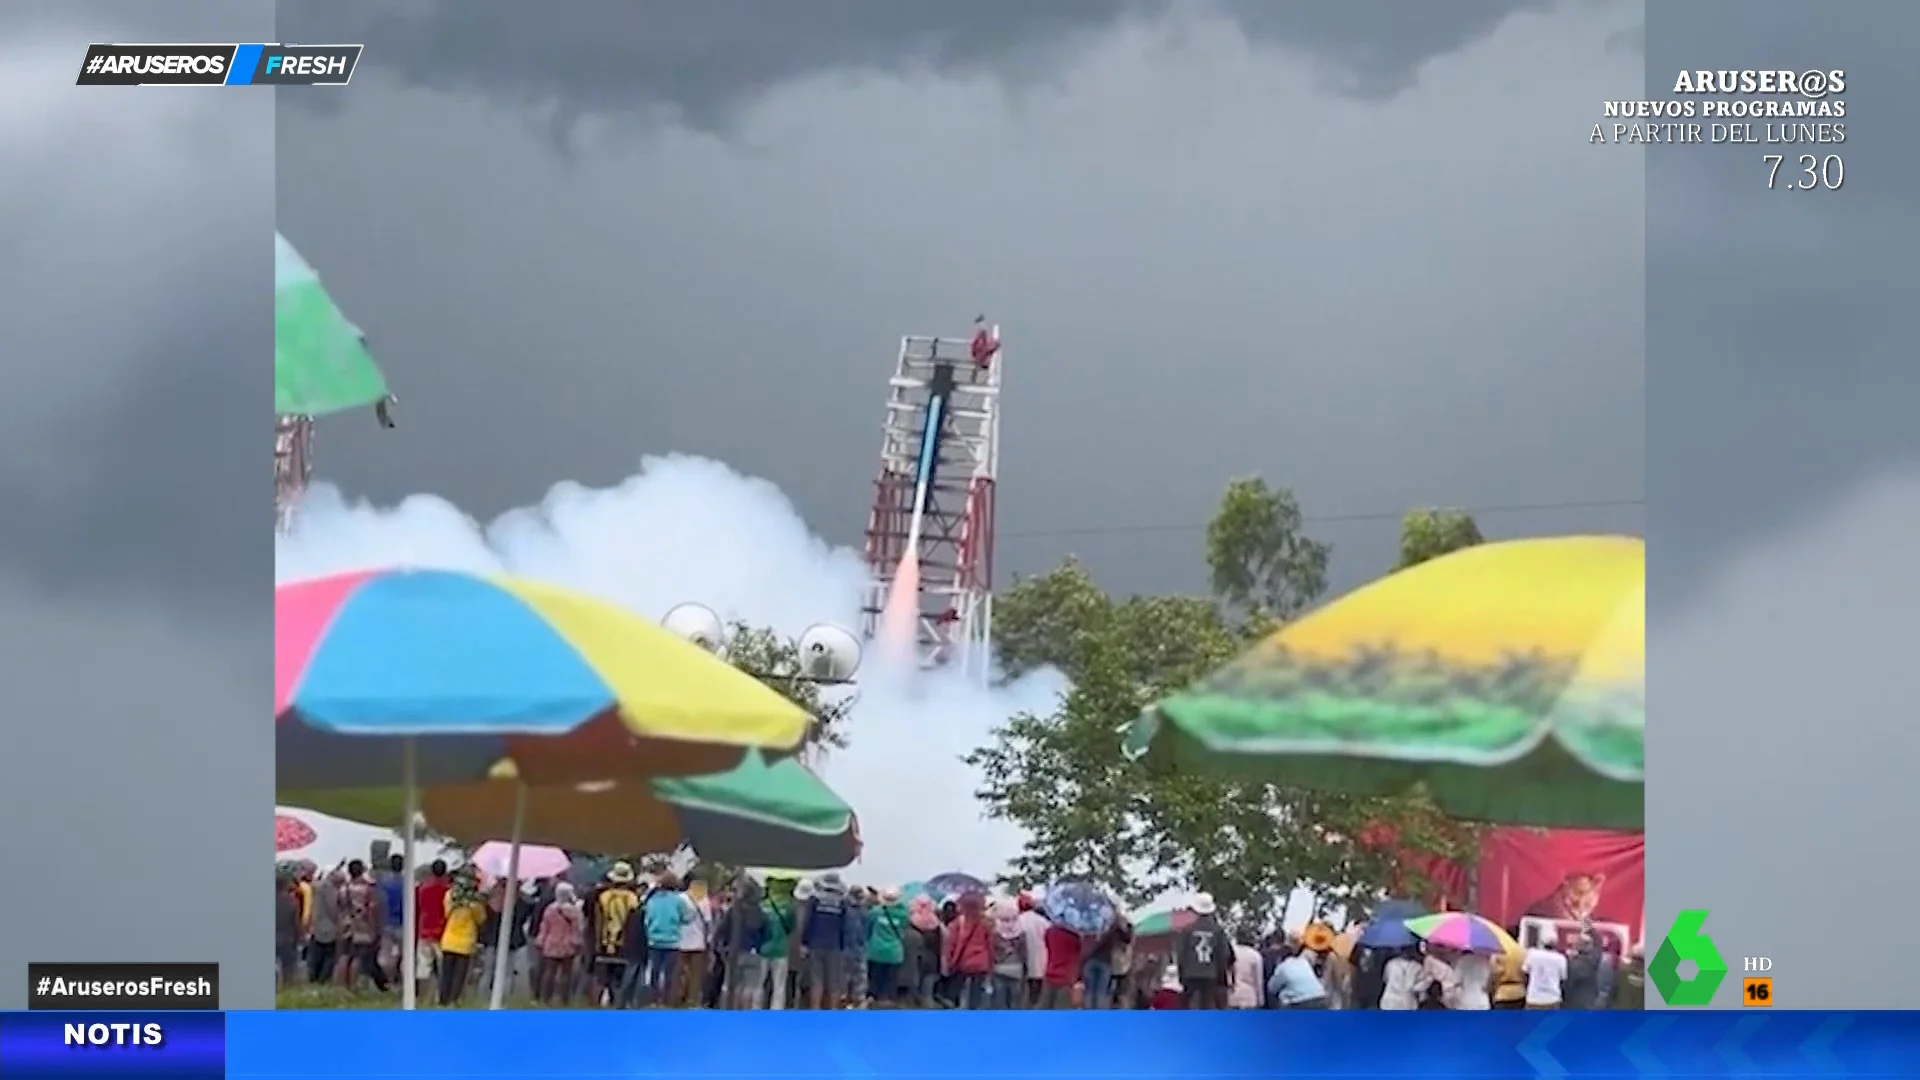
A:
(292, 465)
(939, 456)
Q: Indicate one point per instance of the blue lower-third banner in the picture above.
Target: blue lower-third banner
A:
(146, 1046)
(1071, 1045)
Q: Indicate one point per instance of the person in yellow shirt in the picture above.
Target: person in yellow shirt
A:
(1509, 978)
(466, 911)
(303, 888)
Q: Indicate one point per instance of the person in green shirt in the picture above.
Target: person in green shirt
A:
(886, 945)
(776, 946)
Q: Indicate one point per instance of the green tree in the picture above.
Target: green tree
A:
(1260, 560)
(1429, 534)
(1062, 778)
(1247, 843)
(1046, 621)
(1361, 847)
(1140, 828)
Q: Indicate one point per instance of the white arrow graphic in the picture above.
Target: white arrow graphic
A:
(1819, 1046)
(1732, 1049)
(1533, 1049)
(1635, 1048)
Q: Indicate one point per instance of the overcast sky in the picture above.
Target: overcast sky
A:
(135, 612)
(1362, 249)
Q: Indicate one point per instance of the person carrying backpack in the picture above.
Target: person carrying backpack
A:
(823, 941)
(1203, 957)
(609, 910)
(966, 952)
(1009, 989)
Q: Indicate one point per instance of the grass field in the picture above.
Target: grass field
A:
(334, 997)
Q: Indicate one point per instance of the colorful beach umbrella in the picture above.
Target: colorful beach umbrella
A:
(1508, 680)
(320, 360)
(765, 812)
(460, 672)
(1463, 932)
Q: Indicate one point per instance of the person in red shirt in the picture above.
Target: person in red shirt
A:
(966, 951)
(429, 922)
(985, 344)
(1063, 968)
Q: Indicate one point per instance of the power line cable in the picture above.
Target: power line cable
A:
(1328, 519)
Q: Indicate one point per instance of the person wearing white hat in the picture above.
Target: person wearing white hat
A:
(1203, 956)
(608, 910)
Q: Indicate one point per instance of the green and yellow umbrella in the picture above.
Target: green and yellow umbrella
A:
(1508, 679)
(768, 811)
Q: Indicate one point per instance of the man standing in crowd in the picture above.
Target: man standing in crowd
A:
(430, 921)
(1203, 956)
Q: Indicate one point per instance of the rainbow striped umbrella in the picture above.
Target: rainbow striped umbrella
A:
(1463, 932)
(461, 673)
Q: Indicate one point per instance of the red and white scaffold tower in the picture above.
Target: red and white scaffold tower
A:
(955, 551)
(292, 465)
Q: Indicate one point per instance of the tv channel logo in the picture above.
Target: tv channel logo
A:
(1687, 940)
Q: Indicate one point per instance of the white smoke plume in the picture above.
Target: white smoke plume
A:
(690, 529)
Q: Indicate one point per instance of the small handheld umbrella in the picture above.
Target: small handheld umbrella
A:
(1159, 921)
(1508, 680)
(953, 884)
(395, 678)
(1388, 928)
(497, 861)
(1080, 906)
(1462, 932)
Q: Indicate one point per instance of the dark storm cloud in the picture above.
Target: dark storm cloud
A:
(135, 625)
(700, 62)
(1783, 498)
(1785, 316)
(122, 301)
(1208, 264)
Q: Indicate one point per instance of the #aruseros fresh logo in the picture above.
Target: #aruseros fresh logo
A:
(1685, 941)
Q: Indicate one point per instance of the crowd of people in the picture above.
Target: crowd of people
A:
(630, 941)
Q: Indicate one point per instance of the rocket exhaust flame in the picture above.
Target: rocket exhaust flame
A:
(900, 618)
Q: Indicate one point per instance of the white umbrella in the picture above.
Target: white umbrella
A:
(337, 840)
